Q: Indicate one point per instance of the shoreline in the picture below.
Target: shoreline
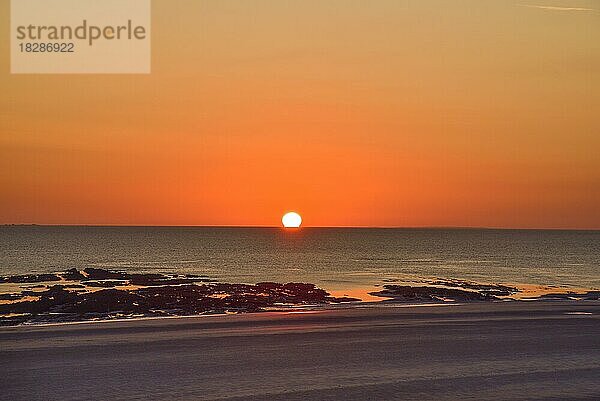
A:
(308, 309)
(97, 294)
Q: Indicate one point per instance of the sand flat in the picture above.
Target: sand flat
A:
(483, 351)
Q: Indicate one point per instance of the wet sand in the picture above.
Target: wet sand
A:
(481, 351)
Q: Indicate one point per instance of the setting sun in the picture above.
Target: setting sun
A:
(291, 220)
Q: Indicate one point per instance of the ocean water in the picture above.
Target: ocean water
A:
(333, 258)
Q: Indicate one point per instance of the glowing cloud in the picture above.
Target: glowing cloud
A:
(555, 8)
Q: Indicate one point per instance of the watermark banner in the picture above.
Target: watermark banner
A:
(80, 36)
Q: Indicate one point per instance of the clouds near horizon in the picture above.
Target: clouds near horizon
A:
(557, 8)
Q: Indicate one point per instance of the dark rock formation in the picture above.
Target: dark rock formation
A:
(408, 293)
(491, 289)
(159, 295)
(73, 275)
(141, 279)
(10, 297)
(104, 283)
(101, 274)
(30, 278)
(589, 296)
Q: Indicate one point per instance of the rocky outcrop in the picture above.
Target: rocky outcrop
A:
(490, 289)
(140, 279)
(162, 295)
(30, 278)
(407, 293)
(73, 275)
(588, 296)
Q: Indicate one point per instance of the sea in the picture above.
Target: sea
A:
(333, 258)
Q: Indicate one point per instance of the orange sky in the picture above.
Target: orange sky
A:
(379, 113)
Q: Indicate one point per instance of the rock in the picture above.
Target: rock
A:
(104, 301)
(30, 278)
(158, 295)
(159, 279)
(101, 274)
(429, 294)
(73, 275)
(139, 279)
(104, 283)
(492, 289)
(10, 297)
(588, 296)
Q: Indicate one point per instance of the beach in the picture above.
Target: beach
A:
(538, 350)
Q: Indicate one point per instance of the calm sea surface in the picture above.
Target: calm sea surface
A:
(334, 258)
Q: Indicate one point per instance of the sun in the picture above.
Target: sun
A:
(291, 220)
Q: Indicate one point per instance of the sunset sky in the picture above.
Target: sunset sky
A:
(353, 113)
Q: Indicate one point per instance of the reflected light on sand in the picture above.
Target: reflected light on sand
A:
(360, 293)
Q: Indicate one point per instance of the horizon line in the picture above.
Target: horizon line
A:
(308, 226)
